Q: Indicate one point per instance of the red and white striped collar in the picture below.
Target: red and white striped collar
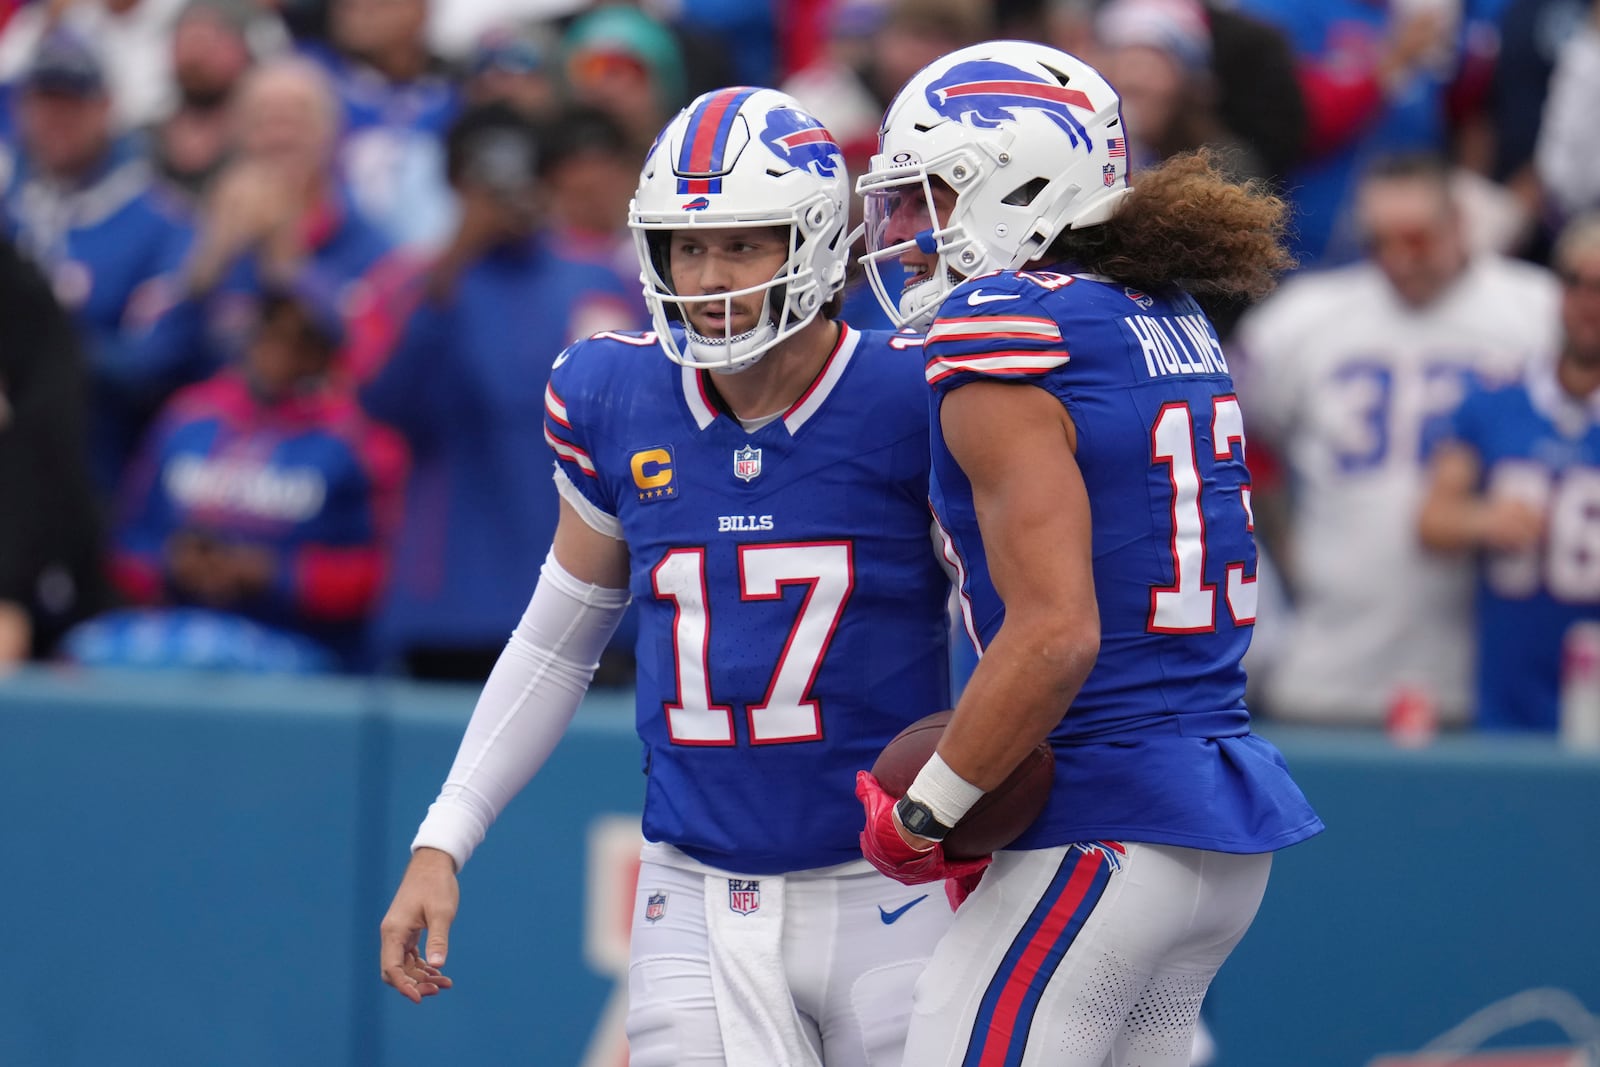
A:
(703, 408)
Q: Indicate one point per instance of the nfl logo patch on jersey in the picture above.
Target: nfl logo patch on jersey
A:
(747, 463)
(744, 895)
(655, 906)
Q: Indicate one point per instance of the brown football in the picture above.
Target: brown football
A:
(999, 816)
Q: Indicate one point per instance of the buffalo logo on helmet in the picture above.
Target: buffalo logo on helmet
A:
(699, 203)
(984, 93)
(802, 142)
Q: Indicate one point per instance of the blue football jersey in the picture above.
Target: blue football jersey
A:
(1157, 745)
(791, 603)
(1536, 443)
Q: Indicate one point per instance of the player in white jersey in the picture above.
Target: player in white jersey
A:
(755, 474)
(1350, 374)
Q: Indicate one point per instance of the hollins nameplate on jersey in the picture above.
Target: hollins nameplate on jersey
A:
(1180, 344)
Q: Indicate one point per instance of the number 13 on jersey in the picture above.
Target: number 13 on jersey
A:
(1204, 518)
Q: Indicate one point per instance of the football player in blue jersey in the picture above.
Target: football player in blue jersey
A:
(1518, 481)
(761, 492)
(1089, 479)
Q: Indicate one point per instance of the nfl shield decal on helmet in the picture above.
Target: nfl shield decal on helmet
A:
(744, 895)
(655, 906)
(1108, 174)
(747, 463)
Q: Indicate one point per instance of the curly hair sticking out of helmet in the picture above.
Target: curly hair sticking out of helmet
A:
(1186, 226)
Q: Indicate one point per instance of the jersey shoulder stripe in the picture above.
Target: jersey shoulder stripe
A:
(585, 370)
(994, 363)
(991, 327)
(995, 325)
(556, 413)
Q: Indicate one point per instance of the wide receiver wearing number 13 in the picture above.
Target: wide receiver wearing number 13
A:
(1089, 474)
(762, 492)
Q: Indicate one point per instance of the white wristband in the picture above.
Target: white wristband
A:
(948, 795)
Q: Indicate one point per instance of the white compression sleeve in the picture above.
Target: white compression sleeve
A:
(525, 707)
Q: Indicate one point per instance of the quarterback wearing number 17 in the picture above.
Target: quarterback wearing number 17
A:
(1089, 476)
(753, 473)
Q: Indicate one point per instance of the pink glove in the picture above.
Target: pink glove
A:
(886, 850)
(959, 888)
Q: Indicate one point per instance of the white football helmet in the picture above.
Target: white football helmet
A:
(743, 157)
(1030, 140)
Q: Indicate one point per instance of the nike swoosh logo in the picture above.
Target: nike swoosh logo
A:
(890, 916)
(980, 297)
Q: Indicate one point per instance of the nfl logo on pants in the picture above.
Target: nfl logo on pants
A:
(744, 896)
(747, 463)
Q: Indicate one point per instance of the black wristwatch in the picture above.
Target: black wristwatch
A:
(916, 817)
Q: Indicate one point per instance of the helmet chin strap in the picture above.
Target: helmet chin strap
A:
(919, 304)
(717, 353)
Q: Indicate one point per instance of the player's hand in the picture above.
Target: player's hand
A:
(244, 204)
(426, 900)
(887, 849)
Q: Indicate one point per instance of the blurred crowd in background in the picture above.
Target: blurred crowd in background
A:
(281, 283)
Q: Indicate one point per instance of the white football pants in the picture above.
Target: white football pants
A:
(798, 970)
(1084, 956)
